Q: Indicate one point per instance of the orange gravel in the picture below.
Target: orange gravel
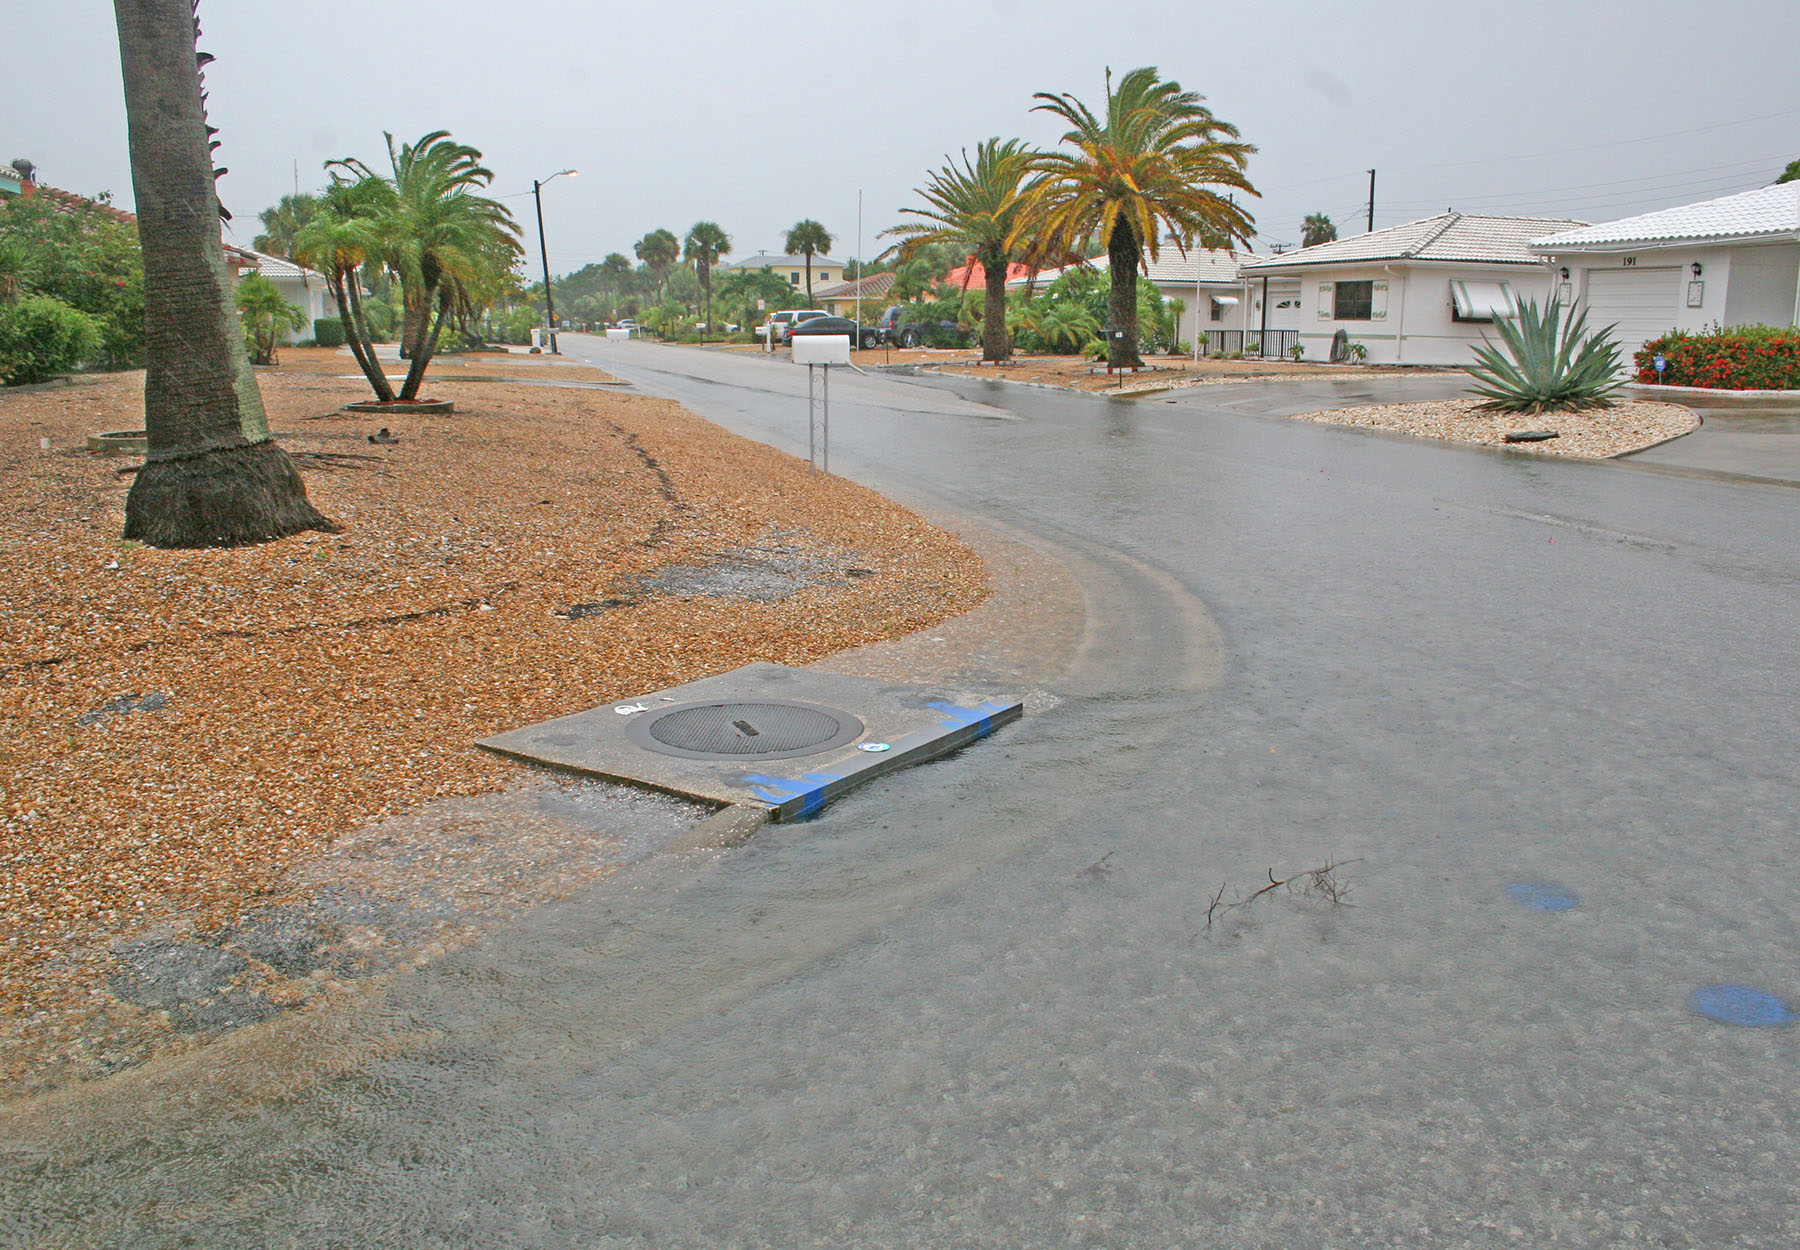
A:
(318, 682)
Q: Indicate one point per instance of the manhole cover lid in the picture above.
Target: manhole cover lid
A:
(748, 730)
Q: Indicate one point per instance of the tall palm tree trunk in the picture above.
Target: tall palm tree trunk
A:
(212, 477)
(995, 345)
(1122, 259)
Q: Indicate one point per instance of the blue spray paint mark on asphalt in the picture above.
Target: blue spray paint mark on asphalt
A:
(1742, 1005)
(981, 718)
(779, 790)
(1543, 896)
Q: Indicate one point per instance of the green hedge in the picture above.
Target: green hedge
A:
(41, 337)
(1743, 358)
(328, 332)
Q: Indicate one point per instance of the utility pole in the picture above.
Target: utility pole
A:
(1371, 201)
(537, 189)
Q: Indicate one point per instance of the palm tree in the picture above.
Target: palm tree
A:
(659, 250)
(266, 314)
(806, 238)
(283, 222)
(342, 242)
(449, 247)
(912, 279)
(980, 207)
(704, 244)
(1149, 162)
(1315, 229)
(213, 476)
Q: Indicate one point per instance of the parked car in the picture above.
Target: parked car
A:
(785, 320)
(914, 333)
(859, 336)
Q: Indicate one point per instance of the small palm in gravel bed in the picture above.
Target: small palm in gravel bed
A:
(1555, 366)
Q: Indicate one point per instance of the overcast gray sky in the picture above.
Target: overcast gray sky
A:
(759, 115)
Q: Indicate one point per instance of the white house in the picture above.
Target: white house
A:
(1216, 299)
(1734, 261)
(304, 288)
(1420, 293)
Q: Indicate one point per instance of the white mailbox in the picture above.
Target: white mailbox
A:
(616, 334)
(821, 349)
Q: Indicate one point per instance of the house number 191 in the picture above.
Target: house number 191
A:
(1629, 262)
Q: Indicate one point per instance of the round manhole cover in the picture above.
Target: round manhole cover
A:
(761, 730)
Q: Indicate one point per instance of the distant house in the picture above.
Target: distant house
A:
(972, 275)
(843, 299)
(1420, 293)
(1734, 260)
(1215, 298)
(826, 271)
(304, 288)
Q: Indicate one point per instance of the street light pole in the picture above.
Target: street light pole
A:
(537, 188)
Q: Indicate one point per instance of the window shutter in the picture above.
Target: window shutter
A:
(1378, 302)
(1325, 290)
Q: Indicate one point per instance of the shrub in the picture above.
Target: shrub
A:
(1555, 366)
(328, 332)
(1743, 358)
(41, 337)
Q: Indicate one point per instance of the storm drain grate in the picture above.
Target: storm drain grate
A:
(759, 730)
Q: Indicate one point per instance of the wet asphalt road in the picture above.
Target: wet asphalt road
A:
(981, 1004)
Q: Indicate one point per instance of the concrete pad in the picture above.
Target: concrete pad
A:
(880, 727)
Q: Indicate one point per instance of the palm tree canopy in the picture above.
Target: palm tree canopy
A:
(808, 238)
(444, 235)
(1151, 161)
(705, 243)
(282, 223)
(659, 249)
(977, 206)
(1317, 228)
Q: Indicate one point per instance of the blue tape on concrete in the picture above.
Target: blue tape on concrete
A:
(810, 789)
(980, 718)
(1543, 896)
(1742, 1005)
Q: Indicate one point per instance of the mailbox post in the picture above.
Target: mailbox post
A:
(819, 352)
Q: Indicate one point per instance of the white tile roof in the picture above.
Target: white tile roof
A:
(1206, 265)
(1469, 237)
(1767, 212)
(250, 261)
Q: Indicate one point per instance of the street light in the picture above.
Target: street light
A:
(537, 189)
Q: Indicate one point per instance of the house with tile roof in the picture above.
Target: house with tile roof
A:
(826, 270)
(870, 294)
(1216, 301)
(304, 288)
(1420, 293)
(1734, 260)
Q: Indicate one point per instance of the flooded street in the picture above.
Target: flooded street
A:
(1528, 725)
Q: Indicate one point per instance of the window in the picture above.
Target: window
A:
(1354, 301)
(1218, 311)
(794, 278)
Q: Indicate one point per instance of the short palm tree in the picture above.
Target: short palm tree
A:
(1317, 228)
(979, 206)
(1063, 325)
(1150, 162)
(342, 241)
(807, 239)
(266, 314)
(213, 476)
(704, 244)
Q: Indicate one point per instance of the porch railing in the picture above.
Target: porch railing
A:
(1262, 344)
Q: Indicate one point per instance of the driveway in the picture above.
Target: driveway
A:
(1521, 731)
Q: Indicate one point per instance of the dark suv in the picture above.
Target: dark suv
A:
(914, 333)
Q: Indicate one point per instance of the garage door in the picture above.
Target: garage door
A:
(1642, 301)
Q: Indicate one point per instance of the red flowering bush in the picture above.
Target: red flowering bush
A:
(1743, 358)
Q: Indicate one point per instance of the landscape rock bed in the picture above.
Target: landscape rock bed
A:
(259, 704)
(1594, 433)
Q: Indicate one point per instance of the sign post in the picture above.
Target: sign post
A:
(819, 352)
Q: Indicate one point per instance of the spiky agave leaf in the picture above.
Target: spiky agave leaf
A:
(1549, 364)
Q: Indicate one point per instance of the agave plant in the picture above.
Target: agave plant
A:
(1555, 365)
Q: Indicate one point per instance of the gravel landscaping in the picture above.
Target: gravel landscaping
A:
(189, 735)
(1594, 433)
